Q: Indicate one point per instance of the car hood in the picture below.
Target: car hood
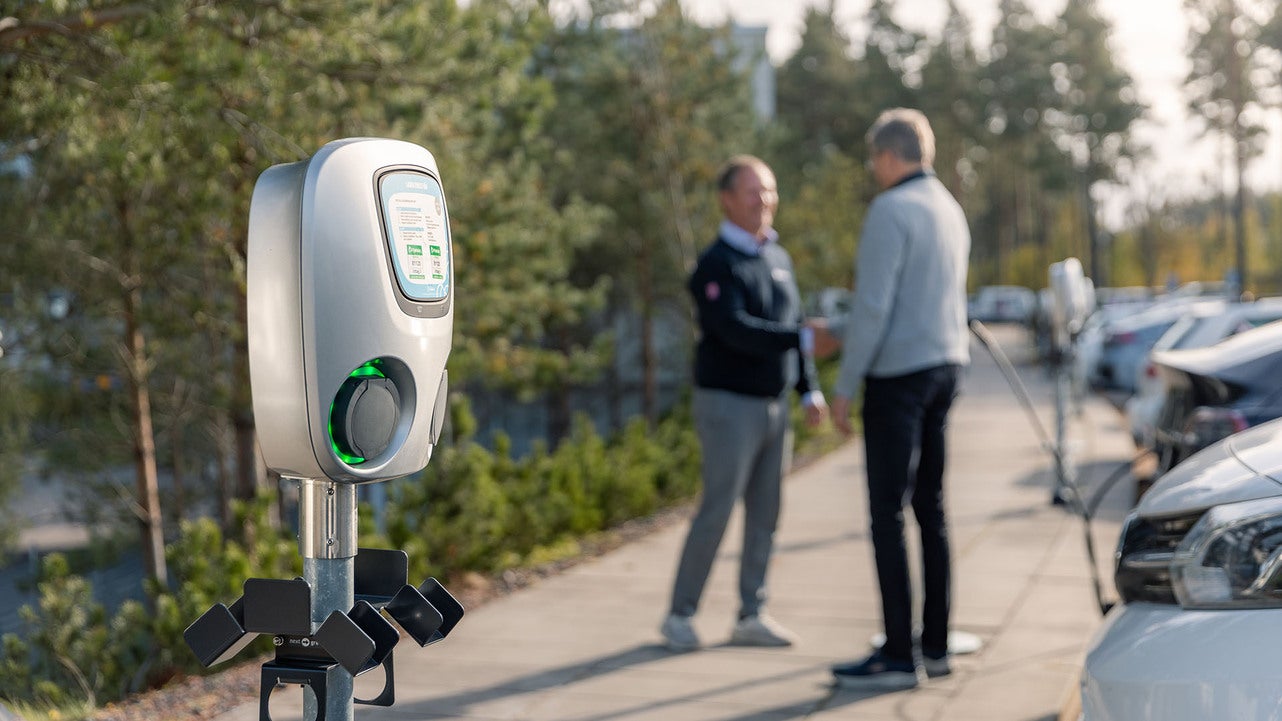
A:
(1237, 360)
(1242, 467)
(1164, 313)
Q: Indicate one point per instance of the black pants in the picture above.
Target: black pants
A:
(904, 419)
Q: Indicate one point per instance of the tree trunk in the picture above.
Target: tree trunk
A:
(1225, 212)
(1042, 230)
(225, 494)
(1092, 233)
(178, 507)
(616, 393)
(1237, 99)
(1239, 216)
(649, 362)
(148, 488)
(557, 400)
(1009, 240)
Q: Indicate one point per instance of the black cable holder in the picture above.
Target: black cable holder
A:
(353, 642)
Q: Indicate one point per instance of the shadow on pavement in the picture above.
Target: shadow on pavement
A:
(827, 697)
(1091, 478)
(816, 544)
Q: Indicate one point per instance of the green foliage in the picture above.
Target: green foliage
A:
(1096, 102)
(808, 442)
(17, 678)
(463, 89)
(1229, 67)
(76, 658)
(476, 510)
(821, 235)
(579, 161)
(144, 170)
(15, 419)
(951, 98)
(815, 96)
(77, 653)
(1271, 30)
(643, 119)
(1192, 247)
(891, 54)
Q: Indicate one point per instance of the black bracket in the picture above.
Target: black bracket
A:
(316, 677)
(357, 641)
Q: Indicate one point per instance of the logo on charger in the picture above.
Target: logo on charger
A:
(301, 641)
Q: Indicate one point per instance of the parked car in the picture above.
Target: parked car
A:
(1199, 572)
(1214, 392)
(1127, 342)
(1206, 323)
(1129, 295)
(1090, 341)
(1003, 304)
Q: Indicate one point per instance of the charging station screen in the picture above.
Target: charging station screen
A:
(418, 234)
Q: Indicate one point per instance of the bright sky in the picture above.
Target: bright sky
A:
(1149, 36)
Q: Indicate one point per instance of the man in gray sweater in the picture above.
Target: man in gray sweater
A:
(906, 341)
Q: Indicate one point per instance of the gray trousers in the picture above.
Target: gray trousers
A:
(744, 441)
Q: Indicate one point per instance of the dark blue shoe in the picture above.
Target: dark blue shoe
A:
(876, 672)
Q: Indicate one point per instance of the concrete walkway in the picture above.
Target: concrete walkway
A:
(584, 645)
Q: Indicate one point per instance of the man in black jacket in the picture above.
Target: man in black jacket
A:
(753, 347)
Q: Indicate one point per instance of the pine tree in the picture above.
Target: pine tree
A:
(890, 66)
(644, 119)
(818, 98)
(1095, 108)
(950, 98)
(1221, 88)
(1021, 161)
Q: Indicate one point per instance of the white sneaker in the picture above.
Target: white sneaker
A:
(761, 630)
(679, 633)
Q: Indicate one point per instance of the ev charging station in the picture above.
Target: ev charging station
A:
(350, 292)
(1072, 300)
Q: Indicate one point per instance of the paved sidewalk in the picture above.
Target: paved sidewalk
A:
(584, 645)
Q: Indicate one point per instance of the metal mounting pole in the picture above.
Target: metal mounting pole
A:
(327, 542)
(1065, 469)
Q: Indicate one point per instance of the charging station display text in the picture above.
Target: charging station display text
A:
(418, 234)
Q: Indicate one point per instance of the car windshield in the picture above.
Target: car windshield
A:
(1181, 334)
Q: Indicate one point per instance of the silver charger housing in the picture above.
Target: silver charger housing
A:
(350, 311)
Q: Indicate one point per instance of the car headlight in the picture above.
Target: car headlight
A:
(1145, 550)
(1232, 558)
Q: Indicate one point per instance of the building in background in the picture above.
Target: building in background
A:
(750, 56)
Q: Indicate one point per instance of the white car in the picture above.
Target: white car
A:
(1090, 341)
(1205, 323)
(1003, 304)
(1198, 636)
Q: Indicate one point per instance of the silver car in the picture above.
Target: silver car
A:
(1199, 570)
(1206, 323)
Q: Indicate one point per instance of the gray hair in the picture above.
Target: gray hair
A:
(730, 171)
(904, 132)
